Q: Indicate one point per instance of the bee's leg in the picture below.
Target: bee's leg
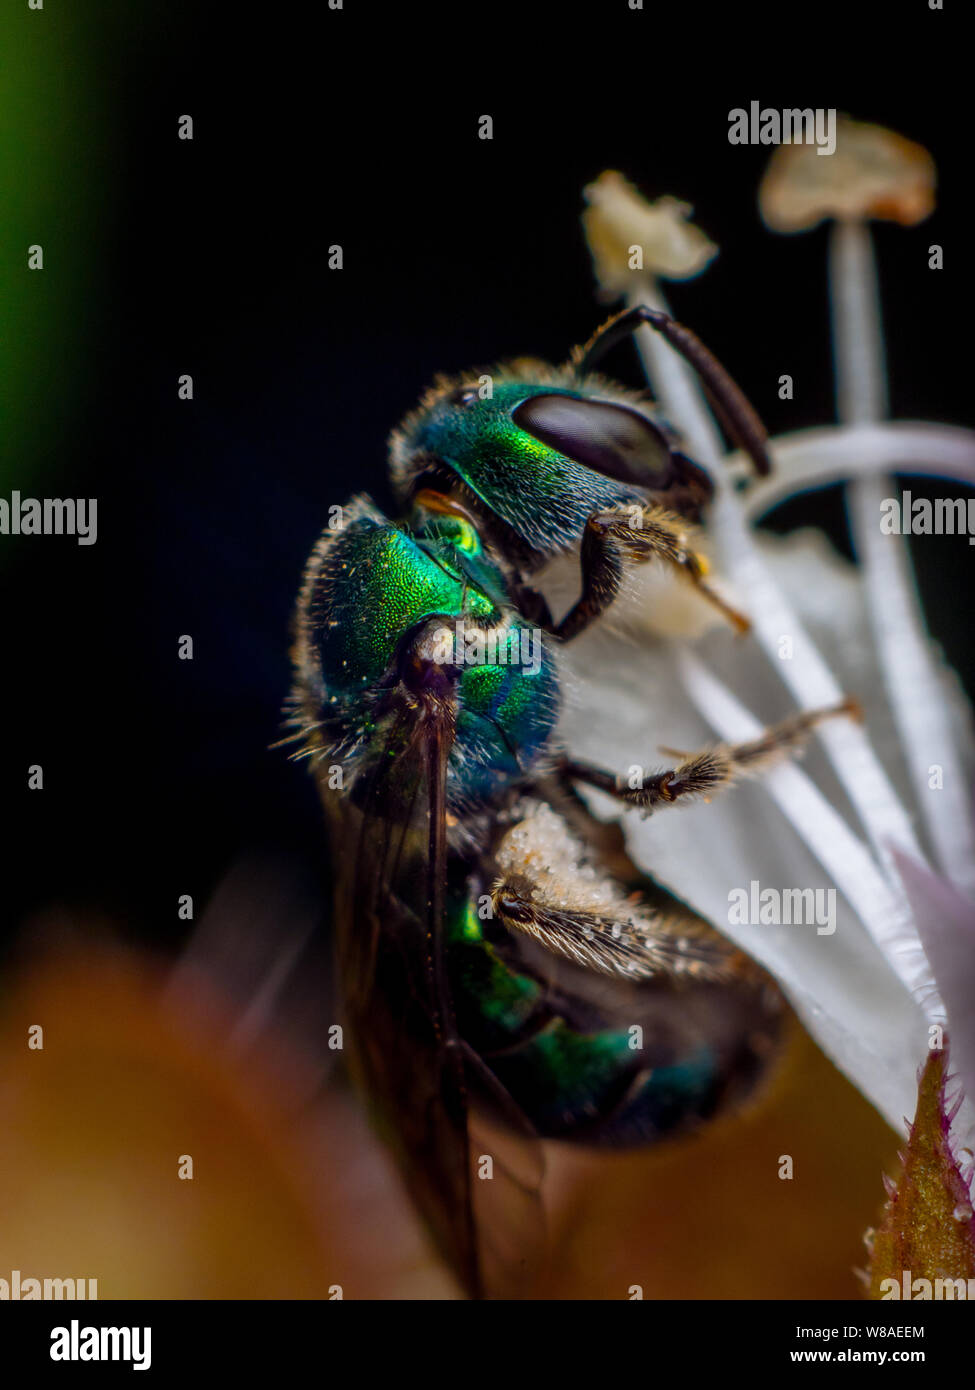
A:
(636, 532)
(734, 409)
(531, 604)
(635, 943)
(700, 774)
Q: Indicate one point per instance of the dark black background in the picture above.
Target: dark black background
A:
(360, 127)
(256, 1339)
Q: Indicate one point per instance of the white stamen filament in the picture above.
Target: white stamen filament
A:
(860, 448)
(906, 661)
(807, 675)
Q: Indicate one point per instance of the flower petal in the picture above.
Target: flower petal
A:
(946, 922)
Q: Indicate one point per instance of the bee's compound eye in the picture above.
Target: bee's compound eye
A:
(611, 439)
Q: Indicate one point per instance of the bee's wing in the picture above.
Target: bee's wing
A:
(437, 1104)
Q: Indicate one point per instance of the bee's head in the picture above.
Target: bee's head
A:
(534, 447)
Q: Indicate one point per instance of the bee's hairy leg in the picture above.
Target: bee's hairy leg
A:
(531, 604)
(635, 943)
(710, 769)
(635, 533)
(548, 886)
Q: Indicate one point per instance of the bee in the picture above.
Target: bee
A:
(509, 975)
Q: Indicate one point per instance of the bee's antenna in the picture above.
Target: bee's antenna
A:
(733, 407)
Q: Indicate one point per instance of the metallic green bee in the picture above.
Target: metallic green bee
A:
(509, 975)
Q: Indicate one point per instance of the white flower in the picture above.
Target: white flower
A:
(859, 815)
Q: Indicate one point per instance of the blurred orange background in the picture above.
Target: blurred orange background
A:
(292, 1197)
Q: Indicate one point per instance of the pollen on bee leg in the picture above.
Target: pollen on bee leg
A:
(541, 850)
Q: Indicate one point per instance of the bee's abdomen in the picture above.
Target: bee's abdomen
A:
(597, 1055)
(608, 1080)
